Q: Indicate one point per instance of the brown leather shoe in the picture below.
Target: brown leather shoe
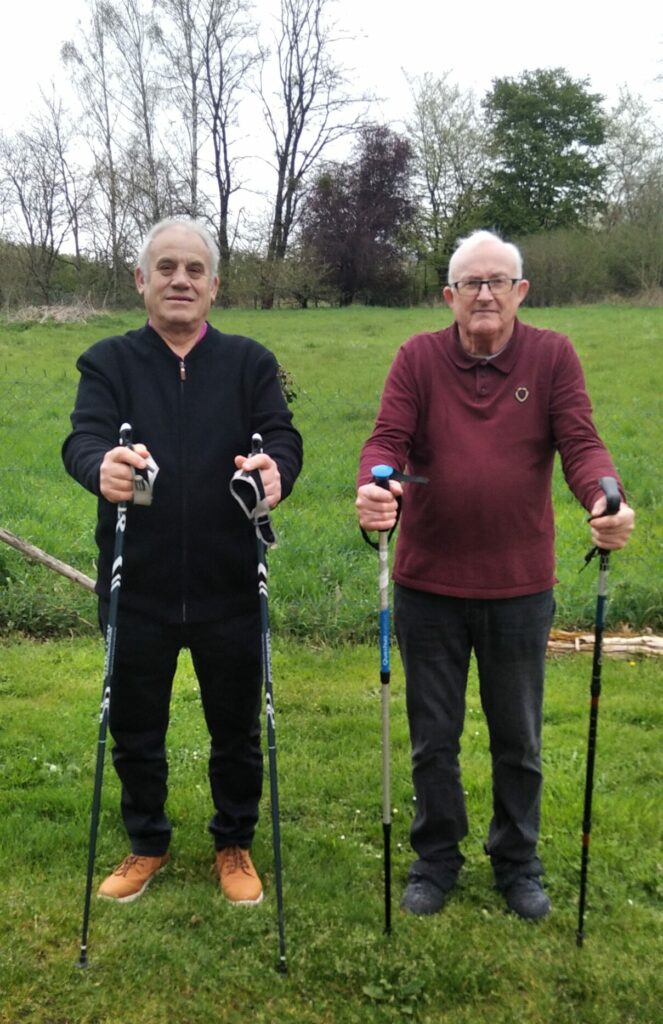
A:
(131, 878)
(237, 876)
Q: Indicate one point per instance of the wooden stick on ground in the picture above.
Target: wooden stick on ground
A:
(37, 555)
(561, 641)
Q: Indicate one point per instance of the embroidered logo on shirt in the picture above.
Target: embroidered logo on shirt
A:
(522, 393)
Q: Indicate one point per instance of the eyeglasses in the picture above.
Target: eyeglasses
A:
(496, 285)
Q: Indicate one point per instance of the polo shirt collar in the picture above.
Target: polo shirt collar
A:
(504, 361)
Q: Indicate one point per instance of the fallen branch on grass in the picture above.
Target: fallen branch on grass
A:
(624, 644)
(37, 555)
(561, 641)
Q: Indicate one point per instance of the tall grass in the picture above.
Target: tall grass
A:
(323, 585)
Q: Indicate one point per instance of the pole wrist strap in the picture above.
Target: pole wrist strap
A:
(248, 491)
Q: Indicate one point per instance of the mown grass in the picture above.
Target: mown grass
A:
(181, 955)
(323, 581)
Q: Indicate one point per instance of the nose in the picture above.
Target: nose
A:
(180, 278)
(484, 287)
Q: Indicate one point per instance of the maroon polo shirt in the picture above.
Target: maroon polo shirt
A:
(485, 432)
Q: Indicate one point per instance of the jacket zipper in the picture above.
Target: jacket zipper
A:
(182, 369)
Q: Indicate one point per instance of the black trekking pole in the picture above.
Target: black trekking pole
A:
(111, 633)
(381, 475)
(247, 488)
(613, 500)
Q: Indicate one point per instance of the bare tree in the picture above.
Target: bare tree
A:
(309, 109)
(42, 194)
(211, 50)
(133, 33)
(100, 91)
(228, 64)
(450, 159)
(184, 49)
(75, 182)
(633, 153)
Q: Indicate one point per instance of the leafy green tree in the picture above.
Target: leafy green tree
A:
(545, 134)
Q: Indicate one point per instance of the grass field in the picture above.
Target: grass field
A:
(323, 574)
(181, 955)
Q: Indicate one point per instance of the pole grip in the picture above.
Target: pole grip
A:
(608, 485)
(381, 475)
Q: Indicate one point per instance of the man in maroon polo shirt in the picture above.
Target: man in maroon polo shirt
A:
(480, 410)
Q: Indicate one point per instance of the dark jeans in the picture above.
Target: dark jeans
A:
(436, 636)
(226, 659)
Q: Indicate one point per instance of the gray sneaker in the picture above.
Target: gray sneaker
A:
(422, 896)
(527, 898)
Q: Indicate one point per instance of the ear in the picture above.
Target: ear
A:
(139, 278)
(522, 289)
(449, 295)
(214, 287)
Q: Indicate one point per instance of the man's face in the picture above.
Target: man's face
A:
(484, 315)
(178, 289)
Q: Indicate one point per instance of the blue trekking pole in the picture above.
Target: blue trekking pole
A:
(248, 490)
(613, 499)
(381, 475)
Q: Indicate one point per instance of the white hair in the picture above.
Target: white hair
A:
(179, 222)
(477, 238)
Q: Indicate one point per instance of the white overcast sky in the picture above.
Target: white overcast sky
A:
(475, 41)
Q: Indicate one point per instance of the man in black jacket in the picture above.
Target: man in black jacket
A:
(194, 397)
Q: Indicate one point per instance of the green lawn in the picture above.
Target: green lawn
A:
(181, 955)
(323, 584)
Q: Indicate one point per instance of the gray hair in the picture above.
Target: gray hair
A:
(465, 245)
(179, 222)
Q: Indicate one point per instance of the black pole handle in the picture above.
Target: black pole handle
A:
(613, 499)
(608, 485)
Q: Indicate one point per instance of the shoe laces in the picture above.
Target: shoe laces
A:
(236, 859)
(123, 869)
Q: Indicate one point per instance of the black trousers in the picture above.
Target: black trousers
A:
(436, 636)
(226, 658)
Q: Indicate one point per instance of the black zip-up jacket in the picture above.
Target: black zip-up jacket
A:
(191, 555)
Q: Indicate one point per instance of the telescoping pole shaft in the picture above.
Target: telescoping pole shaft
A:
(104, 713)
(381, 476)
(613, 499)
(266, 649)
